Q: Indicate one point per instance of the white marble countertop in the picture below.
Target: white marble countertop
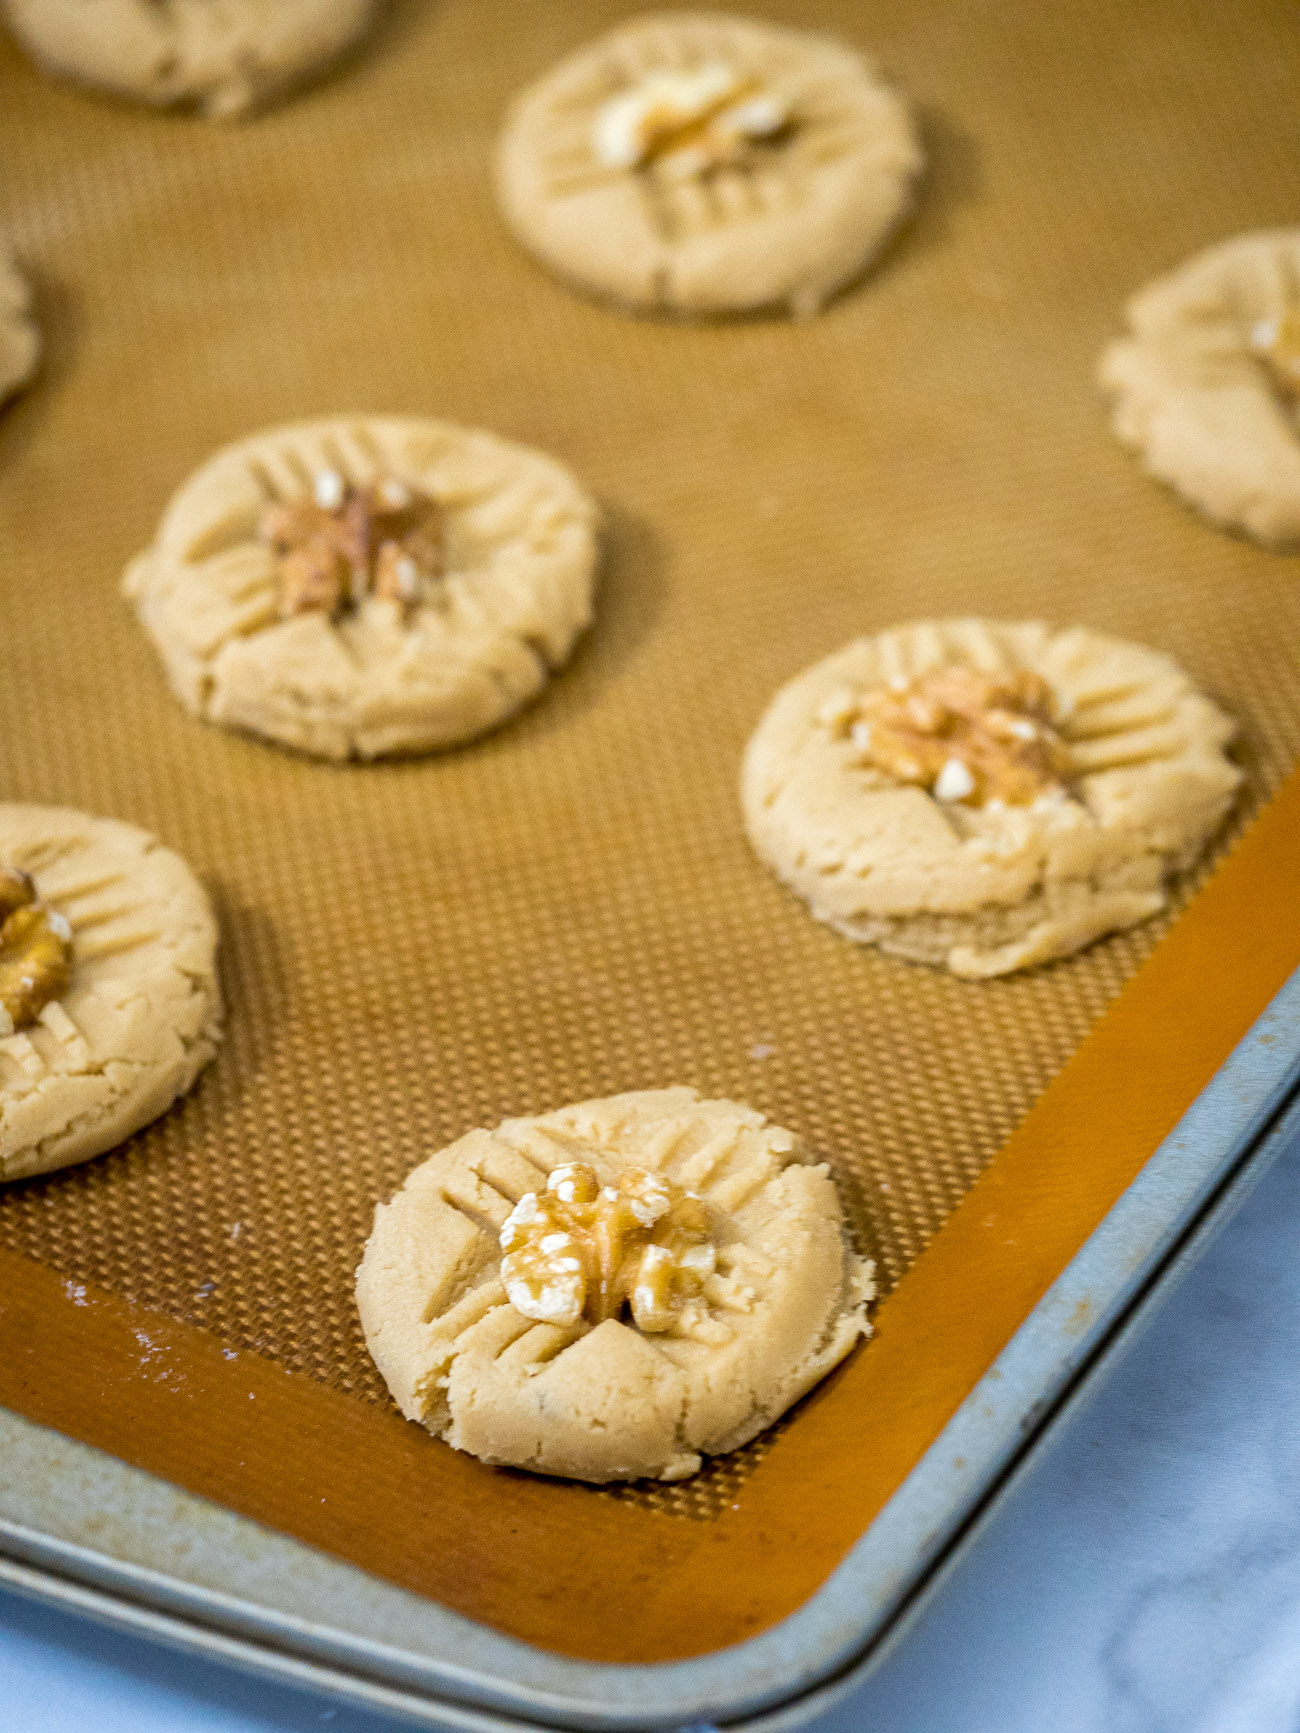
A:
(1144, 1578)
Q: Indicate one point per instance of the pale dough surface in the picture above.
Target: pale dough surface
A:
(223, 57)
(142, 1013)
(1196, 403)
(607, 1402)
(793, 231)
(978, 890)
(521, 555)
(20, 342)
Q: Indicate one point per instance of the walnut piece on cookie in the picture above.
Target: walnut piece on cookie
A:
(980, 738)
(983, 795)
(687, 125)
(1206, 384)
(342, 543)
(35, 951)
(580, 1249)
(223, 61)
(703, 163)
(20, 342)
(109, 1001)
(365, 585)
(614, 1290)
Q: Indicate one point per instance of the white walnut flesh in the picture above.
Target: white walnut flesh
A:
(688, 122)
(583, 1252)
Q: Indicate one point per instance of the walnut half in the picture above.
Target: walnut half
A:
(583, 1251)
(35, 952)
(340, 544)
(688, 122)
(968, 737)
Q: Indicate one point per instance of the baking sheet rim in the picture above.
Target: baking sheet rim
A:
(1227, 1132)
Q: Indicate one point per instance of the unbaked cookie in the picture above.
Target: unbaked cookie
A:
(985, 796)
(223, 57)
(1207, 385)
(20, 342)
(612, 1290)
(368, 584)
(109, 1003)
(704, 163)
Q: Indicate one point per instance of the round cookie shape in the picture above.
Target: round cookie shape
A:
(606, 1400)
(950, 873)
(20, 342)
(799, 165)
(140, 1014)
(518, 551)
(221, 57)
(1205, 388)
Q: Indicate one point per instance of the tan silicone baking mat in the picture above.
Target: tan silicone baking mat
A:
(569, 908)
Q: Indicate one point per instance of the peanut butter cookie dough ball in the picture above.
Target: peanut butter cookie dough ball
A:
(612, 1290)
(222, 57)
(702, 163)
(20, 342)
(1206, 386)
(366, 585)
(984, 796)
(109, 1002)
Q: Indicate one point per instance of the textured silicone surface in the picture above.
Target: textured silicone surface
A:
(569, 908)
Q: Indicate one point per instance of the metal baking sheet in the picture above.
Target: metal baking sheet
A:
(577, 908)
(190, 1574)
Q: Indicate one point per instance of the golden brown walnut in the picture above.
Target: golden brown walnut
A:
(580, 1251)
(341, 543)
(35, 952)
(967, 737)
(17, 890)
(313, 577)
(687, 122)
(1277, 343)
